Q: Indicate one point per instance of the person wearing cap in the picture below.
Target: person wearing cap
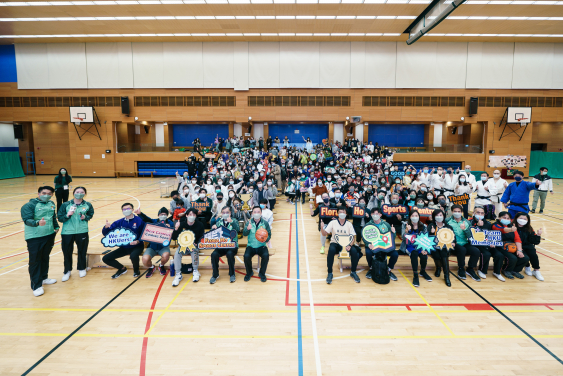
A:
(156, 248)
(516, 196)
(546, 185)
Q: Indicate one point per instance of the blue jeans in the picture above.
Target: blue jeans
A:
(393, 257)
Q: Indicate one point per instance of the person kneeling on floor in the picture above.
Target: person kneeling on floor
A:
(197, 228)
(341, 227)
(256, 244)
(156, 248)
(232, 224)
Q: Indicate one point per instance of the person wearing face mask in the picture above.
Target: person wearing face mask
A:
(485, 189)
(260, 193)
(546, 185)
(442, 203)
(377, 200)
(155, 249)
(425, 176)
(218, 204)
(191, 164)
(204, 215)
(395, 220)
(255, 247)
(62, 180)
(39, 216)
(322, 221)
(437, 181)
(341, 227)
(470, 178)
(479, 222)
(318, 191)
(440, 255)
(133, 249)
(291, 190)
(412, 228)
(516, 196)
(462, 187)
(267, 214)
(182, 179)
(232, 224)
(359, 222)
(514, 261)
(377, 221)
(74, 215)
(462, 231)
(500, 185)
(530, 239)
(273, 190)
(449, 181)
(197, 228)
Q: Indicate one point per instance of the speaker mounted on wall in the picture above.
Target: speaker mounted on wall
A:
(18, 131)
(125, 105)
(473, 106)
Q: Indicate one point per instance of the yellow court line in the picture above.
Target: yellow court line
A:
(549, 240)
(427, 304)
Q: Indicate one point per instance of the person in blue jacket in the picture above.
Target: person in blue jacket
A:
(517, 195)
(156, 248)
(133, 249)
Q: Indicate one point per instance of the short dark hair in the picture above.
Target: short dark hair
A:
(264, 201)
(543, 168)
(456, 206)
(342, 208)
(191, 210)
(127, 204)
(203, 190)
(174, 193)
(373, 210)
(48, 187)
(256, 207)
(518, 172)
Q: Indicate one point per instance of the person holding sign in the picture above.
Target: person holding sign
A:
(529, 241)
(464, 187)
(133, 249)
(160, 249)
(40, 219)
(441, 254)
(258, 232)
(384, 228)
(227, 221)
(517, 195)
(342, 237)
(480, 223)
(325, 215)
(512, 250)
(203, 206)
(462, 230)
(197, 228)
(360, 216)
(411, 229)
(74, 215)
(395, 218)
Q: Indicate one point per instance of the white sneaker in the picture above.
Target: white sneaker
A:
(481, 274)
(528, 270)
(196, 276)
(65, 278)
(82, 273)
(177, 280)
(500, 277)
(537, 274)
(49, 281)
(39, 291)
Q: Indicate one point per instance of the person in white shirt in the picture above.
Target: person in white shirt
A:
(546, 185)
(469, 175)
(425, 176)
(462, 187)
(449, 182)
(437, 182)
(267, 214)
(500, 185)
(485, 188)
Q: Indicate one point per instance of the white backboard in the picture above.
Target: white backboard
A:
(81, 115)
(519, 115)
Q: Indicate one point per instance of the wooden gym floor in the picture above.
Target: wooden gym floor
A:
(293, 324)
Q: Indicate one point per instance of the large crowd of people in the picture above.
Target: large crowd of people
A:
(237, 182)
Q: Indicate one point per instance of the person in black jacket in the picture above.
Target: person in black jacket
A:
(62, 180)
(191, 163)
(478, 221)
(360, 222)
(529, 241)
(156, 248)
(196, 227)
(440, 256)
(325, 221)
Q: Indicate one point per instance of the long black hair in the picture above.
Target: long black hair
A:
(63, 179)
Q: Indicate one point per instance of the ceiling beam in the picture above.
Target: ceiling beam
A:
(431, 17)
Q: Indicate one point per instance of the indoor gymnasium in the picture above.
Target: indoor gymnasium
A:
(281, 187)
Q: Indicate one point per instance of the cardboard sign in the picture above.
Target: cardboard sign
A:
(200, 205)
(210, 155)
(445, 237)
(221, 237)
(486, 237)
(351, 201)
(390, 210)
(326, 212)
(118, 237)
(425, 242)
(459, 199)
(423, 212)
(382, 242)
(397, 174)
(358, 212)
(157, 233)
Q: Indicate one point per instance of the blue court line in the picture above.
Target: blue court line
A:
(299, 332)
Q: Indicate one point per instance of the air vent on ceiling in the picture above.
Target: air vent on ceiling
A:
(402, 101)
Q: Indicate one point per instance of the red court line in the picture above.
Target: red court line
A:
(13, 255)
(147, 327)
(549, 257)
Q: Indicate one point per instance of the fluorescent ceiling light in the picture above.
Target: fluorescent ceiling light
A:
(225, 17)
(265, 17)
(204, 17)
(286, 34)
(269, 34)
(244, 17)
(234, 34)
(345, 17)
(305, 17)
(285, 17)
(304, 34)
(307, 1)
(251, 34)
(326, 17)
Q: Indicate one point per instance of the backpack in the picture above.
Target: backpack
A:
(379, 269)
(187, 269)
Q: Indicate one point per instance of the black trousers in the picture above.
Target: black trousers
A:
(204, 218)
(513, 263)
(272, 204)
(220, 252)
(355, 256)
(67, 244)
(485, 258)
(358, 230)
(250, 253)
(62, 196)
(133, 252)
(414, 261)
(299, 194)
(530, 251)
(462, 250)
(39, 250)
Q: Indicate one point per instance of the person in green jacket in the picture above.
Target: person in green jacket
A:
(233, 225)
(462, 231)
(62, 180)
(255, 247)
(40, 219)
(74, 215)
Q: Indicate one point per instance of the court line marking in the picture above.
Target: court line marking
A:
(549, 251)
(299, 331)
(311, 303)
(427, 304)
(510, 320)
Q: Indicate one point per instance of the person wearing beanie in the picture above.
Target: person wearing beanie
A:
(156, 248)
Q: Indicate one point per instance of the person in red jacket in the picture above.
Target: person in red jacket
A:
(515, 261)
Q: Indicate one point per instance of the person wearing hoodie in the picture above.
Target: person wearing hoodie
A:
(40, 219)
(156, 248)
(546, 185)
(133, 250)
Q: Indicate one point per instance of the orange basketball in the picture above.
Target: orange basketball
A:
(261, 235)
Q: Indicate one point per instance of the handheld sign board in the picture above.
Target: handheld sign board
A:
(425, 242)
(186, 241)
(221, 237)
(390, 210)
(351, 201)
(445, 238)
(358, 212)
(118, 237)
(423, 212)
(154, 233)
(200, 205)
(343, 239)
(245, 198)
(326, 212)
(459, 199)
(486, 237)
(397, 174)
(382, 242)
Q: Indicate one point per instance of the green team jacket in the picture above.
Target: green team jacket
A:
(252, 241)
(234, 225)
(75, 225)
(461, 236)
(32, 212)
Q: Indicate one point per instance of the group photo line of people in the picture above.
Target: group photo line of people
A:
(236, 183)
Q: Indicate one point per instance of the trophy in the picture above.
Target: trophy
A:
(344, 240)
(245, 198)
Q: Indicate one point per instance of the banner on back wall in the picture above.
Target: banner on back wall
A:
(508, 161)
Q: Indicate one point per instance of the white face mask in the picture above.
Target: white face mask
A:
(127, 212)
(191, 219)
(439, 219)
(376, 217)
(496, 176)
(522, 221)
(257, 216)
(259, 185)
(194, 181)
(231, 195)
(202, 195)
(162, 217)
(225, 216)
(462, 180)
(342, 215)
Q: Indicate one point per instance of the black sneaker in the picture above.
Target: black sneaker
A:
(119, 273)
(329, 278)
(541, 211)
(392, 276)
(473, 275)
(415, 282)
(425, 276)
(518, 275)
(150, 272)
(136, 273)
(368, 275)
(533, 211)
(437, 272)
(162, 269)
(508, 274)
(248, 276)
(263, 278)
(461, 273)
(355, 276)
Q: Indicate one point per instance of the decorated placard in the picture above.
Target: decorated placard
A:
(343, 239)
(200, 205)
(350, 201)
(154, 233)
(485, 237)
(245, 198)
(425, 242)
(424, 212)
(382, 242)
(397, 174)
(358, 212)
(186, 241)
(326, 212)
(459, 199)
(118, 237)
(445, 238)
(221, 237)
(390, 210)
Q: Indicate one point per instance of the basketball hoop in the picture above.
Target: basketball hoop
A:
(77, 123)
(523, 123)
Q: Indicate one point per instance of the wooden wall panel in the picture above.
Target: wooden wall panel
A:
(548, 133)
(26, 145)
(52, 146)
